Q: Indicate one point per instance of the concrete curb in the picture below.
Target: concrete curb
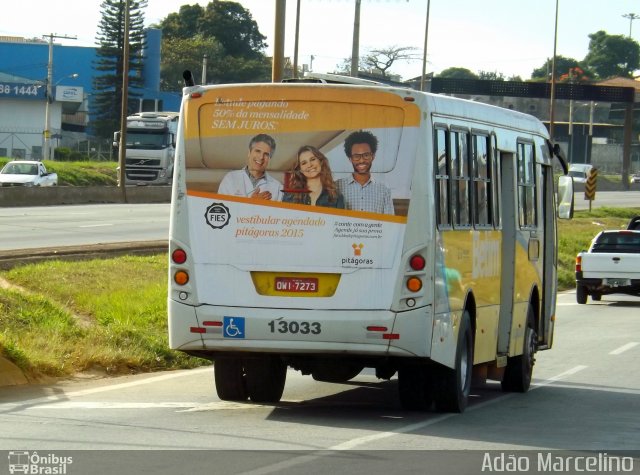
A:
(12, 258)
(10, 374)
(73, 195)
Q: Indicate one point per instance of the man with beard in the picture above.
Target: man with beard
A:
(361, 192)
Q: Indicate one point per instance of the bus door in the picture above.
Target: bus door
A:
(507, 271)
(521, 248)
(550, 275)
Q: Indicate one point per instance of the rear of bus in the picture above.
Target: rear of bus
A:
(324, 290)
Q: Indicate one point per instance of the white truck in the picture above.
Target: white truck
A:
(151, 146)
(27, 173)
(611, 265)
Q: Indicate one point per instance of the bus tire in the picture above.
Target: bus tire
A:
(454, 385)
(519, 371)
(265, 378)
(415, 387)
(230, 380)
(581, 294)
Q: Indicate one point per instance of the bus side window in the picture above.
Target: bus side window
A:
(460, 178)
(482, 180)
(527, 203)
(441, 166)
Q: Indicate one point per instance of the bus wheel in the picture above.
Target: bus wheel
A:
(265, 378)
(230, 379)
(415, 386)
(454, 385)
(519, 370)
(581, 294)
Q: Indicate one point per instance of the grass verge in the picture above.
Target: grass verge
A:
(72, 316)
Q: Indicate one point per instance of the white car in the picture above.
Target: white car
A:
(580, 172)
(27, 173)
(635, 178)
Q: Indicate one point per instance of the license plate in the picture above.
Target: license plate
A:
(296, 284)
(617, 282)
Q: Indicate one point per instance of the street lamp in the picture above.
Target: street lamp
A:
(631, 17)
(47, 132)
(47, 116)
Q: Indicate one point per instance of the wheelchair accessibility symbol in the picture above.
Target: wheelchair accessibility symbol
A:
(233, 327)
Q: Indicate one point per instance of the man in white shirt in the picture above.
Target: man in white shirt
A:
(253, 181)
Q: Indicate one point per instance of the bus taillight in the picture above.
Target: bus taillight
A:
(181, 277)
(417, 262)
(414, 284)
(179, 256)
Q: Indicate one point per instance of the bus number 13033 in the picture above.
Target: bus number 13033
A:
(304, 328)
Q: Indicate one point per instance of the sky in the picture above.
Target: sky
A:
(512, 37)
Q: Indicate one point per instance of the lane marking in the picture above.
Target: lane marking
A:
(558, 377)
(114, 405)
(350, 444)
(624, 348)
(114, 387)
(95, 225)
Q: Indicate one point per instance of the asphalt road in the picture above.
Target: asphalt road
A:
(585, 398)
(55, 226)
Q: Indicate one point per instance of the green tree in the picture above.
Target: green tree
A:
(457, 73)
(233, 26)
(106, 102)
(225, 32)
(491, 75)
(179, 54)
(563, 66)
(612, 55)
(183, 24)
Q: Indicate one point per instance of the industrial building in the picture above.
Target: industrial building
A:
(25, 110)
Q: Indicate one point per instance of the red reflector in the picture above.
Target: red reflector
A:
(212, 324)
(195, 95)
(376, 329)
(417, 262)
(391, 336)
(198, 330)
(179, 256)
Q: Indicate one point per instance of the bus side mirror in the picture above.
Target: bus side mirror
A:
(116, 139)
(565, 197)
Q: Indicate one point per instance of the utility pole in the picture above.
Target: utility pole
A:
(424, 51)
(553, 80)
(631, 17)
(46, 155)
(122, 149)
(278, 42)
(204, 69)
(295, 48)
(355, 54)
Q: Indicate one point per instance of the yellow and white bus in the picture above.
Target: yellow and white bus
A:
(457, 276)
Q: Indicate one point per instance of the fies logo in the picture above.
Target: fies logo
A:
(357, 260)
(217, 215)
